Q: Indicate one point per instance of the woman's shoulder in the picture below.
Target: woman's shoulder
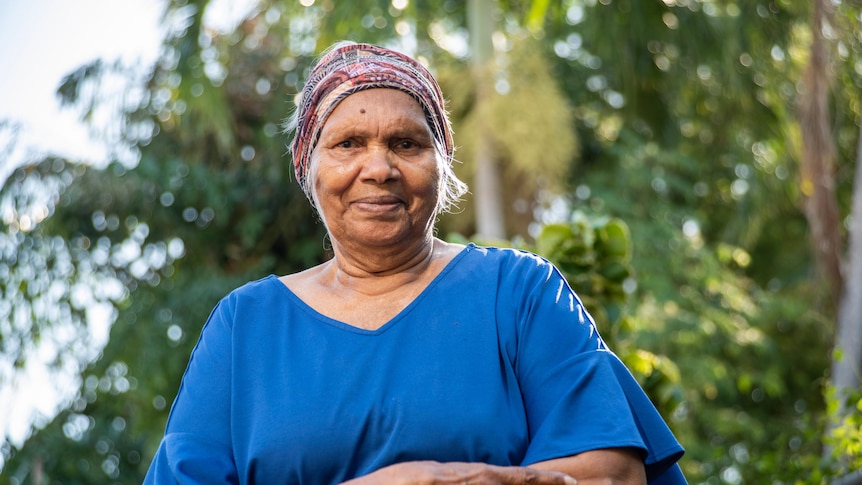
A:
(508, 255)
(511, 269)
(261, 288)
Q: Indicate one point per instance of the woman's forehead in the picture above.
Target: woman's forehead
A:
(376, 106)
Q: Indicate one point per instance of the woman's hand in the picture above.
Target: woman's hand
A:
(434, 473)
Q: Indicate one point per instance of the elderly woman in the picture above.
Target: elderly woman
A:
(403, 359)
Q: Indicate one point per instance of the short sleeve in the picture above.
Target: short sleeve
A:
(578, 395)
(196, 448)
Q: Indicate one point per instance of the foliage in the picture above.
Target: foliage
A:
(713, 192)
(846, 438)
(676, 117)
(595, 256)
(728, 333)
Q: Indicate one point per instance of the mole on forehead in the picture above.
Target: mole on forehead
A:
(362, 110)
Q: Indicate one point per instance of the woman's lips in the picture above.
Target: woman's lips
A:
(383, 203)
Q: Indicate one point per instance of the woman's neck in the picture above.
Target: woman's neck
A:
(353, 266)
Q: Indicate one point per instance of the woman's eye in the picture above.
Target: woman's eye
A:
(345, 144)
(407, 144)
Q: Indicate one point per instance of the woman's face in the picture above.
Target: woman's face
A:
(374, 171)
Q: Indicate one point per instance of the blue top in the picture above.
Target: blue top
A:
(496, 361)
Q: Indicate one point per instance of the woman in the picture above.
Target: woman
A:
(403, 359)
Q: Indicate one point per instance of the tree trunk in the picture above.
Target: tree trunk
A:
(488, 196)
(821, 211)
(847, 354)
(818, 159)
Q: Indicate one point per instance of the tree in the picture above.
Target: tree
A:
(489, 204)
(845, 430)
(702, 181)
(678, 119)
(843, 433)
(818, 156)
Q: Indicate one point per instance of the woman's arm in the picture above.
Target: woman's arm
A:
(617, 466)
(435, 473)
(578, 395)
(196, 446)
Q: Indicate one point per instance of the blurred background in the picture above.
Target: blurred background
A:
(689, 165)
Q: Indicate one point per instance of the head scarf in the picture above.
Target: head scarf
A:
(353, 67)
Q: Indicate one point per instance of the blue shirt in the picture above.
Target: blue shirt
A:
(496, 361)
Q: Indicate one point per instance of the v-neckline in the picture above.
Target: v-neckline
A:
(318, 315)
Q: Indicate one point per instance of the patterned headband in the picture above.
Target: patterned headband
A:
(354, 67)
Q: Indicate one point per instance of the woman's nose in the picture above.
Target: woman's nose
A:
(379, 164)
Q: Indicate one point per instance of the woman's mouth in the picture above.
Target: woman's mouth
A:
(381, 204)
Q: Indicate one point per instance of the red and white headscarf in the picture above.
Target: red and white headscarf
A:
(354, 67)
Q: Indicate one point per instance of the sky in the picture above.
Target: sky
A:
(41, 41)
